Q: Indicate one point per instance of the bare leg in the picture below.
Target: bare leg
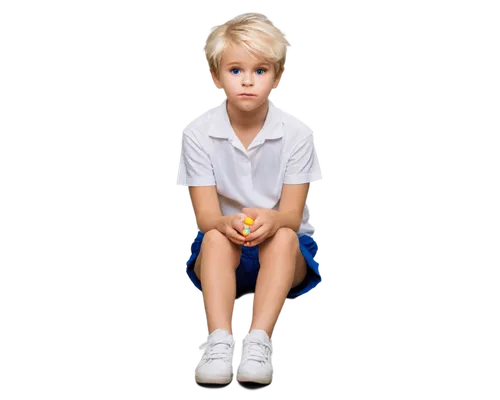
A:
(215, 267)
(282, 267)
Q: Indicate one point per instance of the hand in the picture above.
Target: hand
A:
(264, 226)
(232, 226)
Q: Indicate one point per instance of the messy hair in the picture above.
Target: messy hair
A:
(255, 33)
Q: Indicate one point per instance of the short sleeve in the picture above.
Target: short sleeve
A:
(195, 167)
(303, 165)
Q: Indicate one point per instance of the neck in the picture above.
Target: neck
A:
(247, 119)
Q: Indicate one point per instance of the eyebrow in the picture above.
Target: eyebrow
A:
(239, 63)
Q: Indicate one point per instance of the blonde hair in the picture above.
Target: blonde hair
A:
(255, 33)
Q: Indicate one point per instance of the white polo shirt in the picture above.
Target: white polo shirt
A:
(282, 152)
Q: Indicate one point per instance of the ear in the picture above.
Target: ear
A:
(278, 77)
(216, 80)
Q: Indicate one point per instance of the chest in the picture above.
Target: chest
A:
(246, 137)
(258, 170)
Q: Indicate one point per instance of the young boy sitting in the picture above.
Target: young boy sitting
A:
(247, 158)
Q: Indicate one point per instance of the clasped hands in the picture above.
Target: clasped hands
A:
(265, 224)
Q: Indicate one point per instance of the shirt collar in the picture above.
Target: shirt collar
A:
(221, 125)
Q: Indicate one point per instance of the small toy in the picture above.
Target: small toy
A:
(248, 221)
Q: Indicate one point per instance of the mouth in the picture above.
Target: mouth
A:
(246, 95)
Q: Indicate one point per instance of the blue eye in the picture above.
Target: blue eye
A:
(236, 71)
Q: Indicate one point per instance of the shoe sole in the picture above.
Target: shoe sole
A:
(253, 379)
(222, 380)
(213, 386)
(253, 387)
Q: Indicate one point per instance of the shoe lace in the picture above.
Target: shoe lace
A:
(216, 349)
(258, 351)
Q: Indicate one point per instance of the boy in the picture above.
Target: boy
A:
(248, 158)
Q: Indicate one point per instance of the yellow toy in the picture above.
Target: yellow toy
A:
(248, 221)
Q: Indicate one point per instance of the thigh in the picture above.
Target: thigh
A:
(213, 240)
(300, 269)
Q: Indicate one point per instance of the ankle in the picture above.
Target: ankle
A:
(268, 332)
(228, 330)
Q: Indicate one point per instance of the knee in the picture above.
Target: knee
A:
(286, 238)
(214, 238)
(217, 244)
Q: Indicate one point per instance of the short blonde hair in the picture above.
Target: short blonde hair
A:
(255, 33)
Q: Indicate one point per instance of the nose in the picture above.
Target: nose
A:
(247, 79)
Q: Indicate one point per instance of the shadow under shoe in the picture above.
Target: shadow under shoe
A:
(213, 386)
(255, 387)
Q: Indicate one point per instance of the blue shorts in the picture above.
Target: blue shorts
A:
(247, 271)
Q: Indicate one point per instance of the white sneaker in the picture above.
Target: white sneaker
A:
(216, 365)
(255, 363)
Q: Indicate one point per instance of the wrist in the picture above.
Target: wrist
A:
(278, 217)
(288, 219)
(221, 223)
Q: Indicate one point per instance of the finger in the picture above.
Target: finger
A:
(257, 241)
(235, 238)
(241, 216)
(254, 236)
(260, 239)
(246, 230)
(237, 223)
(256, 225)
(239, 243)
(238, 226)
(253, 228)
(237, 235)
(251, 212)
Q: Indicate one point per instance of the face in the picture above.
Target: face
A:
(241, 73)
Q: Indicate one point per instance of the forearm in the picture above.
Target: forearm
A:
(209, 221)
(289, 219)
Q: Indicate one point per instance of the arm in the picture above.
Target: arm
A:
(302, 168)
(196, 171)
(293, 199)
(206, 207)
